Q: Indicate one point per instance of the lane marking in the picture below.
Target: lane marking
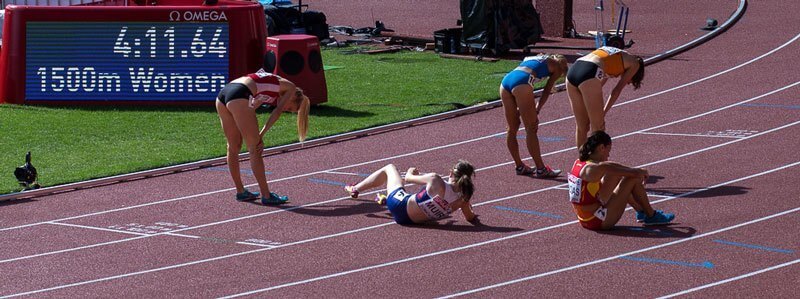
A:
(327, 182)
(348, 173)
(98, 228)
(624, 254)
(369, 228)
(786, 44)
(548, 215)
(691, 135)
(752, 246)
(791, 107)
(498, 239)
(704, 264)
(731, 279)
(341, 198)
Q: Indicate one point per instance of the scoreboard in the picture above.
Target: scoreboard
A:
(152, 54)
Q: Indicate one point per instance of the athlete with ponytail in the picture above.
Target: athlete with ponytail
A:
(516, 93)
(599, 190)
(585, 80)
(236, 106)
(435, 200)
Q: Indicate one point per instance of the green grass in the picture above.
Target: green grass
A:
(70, 144)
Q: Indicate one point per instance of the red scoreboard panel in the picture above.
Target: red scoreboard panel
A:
(173, 52)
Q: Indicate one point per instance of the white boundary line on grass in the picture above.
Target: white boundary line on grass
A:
(482, 203)
(390, 223)
(746, 275)
(411, 153)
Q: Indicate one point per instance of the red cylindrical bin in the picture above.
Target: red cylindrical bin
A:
(297, 58)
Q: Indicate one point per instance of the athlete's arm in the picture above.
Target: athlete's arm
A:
(287, 93)
(624, 80)
(469, 215)
(595, 172)
(548, 87)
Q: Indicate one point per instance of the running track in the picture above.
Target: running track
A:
(715, 126)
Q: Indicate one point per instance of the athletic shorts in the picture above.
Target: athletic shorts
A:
(234, 91)
(596, 221)
(397, 202)
(582, 70)
(516, 78)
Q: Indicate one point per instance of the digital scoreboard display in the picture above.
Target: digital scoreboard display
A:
(126, 61)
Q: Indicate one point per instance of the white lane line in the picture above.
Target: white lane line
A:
(345, 173)
(691, 135)
(623, 254)
(743, 276)
(666, 124)
(414, 258)
(218, 240)
(369, 228)
(412, 153)
(98, 228)
(487, 202)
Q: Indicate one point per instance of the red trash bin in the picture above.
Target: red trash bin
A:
(297, 58)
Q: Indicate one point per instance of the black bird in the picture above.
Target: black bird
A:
(26, 174)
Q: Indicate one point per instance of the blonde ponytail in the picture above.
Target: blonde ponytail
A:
(302, 117)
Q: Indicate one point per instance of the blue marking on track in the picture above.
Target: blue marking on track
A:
(787, 251)
(335, 183)
(245, 171)
(706, 264)
(793, 107)
(528, 212)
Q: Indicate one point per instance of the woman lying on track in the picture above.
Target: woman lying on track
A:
(435, 201)
(600, 189)
(516, 92)
(236, 106)
(585, 80)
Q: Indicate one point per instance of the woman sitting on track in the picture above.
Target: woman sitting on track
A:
(237, 106)
(434, 201)
(585, 80)
(600, 189)
(516, 92)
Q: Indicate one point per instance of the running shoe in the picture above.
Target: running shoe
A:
(274, 199)
(640, 215)
(524, 170)
(547, 172)
(658, 218)
(246, 195)
(380, 198)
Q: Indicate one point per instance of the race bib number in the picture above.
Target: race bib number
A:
(400, 195)
(611, 50)
(600, 74)
(574, 188)
(601, 213)
(532, 80)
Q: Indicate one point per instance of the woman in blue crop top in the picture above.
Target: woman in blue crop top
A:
(516, 92)
(437, 199)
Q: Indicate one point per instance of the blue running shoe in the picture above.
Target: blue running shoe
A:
(274, 199)
(640, 215)
(246, 195)
(659, 218)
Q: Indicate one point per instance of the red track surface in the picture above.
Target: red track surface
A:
(183, 235)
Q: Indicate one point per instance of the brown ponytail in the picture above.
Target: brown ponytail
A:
(637, 78)
(595, 139)
(462, 173)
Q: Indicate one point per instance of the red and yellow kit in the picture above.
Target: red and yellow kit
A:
(583, 193)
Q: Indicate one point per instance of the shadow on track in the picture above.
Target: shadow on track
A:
(664, 231)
